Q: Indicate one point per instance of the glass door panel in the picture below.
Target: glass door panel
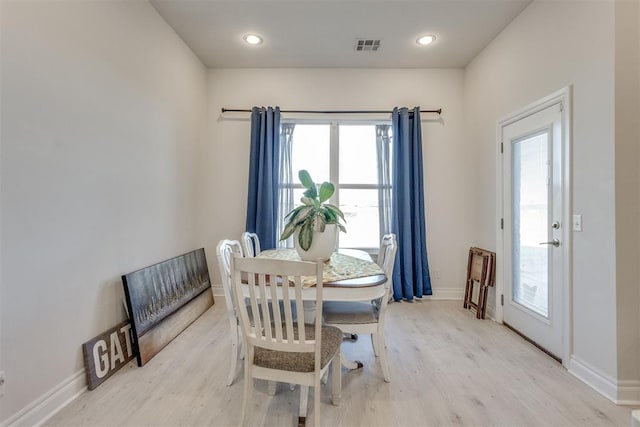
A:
(531, 223)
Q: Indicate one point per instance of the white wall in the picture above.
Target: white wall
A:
(446, 160)
(551, 45)
(103, 110)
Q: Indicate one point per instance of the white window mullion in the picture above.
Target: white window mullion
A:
(334, 169)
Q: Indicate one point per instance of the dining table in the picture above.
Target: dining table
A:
(349, 275)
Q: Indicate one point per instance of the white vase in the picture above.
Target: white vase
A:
(322, 245)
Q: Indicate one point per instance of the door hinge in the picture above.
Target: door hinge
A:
(501, 299)
(501, 223)
(501, 148)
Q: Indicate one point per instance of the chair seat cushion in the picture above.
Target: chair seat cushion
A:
(349, 313)
(301, 362)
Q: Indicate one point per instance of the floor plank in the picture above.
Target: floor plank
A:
(447, 369)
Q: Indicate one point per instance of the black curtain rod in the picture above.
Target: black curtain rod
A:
(232, 110)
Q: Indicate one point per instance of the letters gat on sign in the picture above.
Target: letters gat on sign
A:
(106, 353)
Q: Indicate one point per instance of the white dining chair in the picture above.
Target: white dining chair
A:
(368, 317)
(250, 244)
(225, 250)
(279, 345)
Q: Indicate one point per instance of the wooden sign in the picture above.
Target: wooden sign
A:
(106, 353)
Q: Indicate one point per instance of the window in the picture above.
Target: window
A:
(348, 154)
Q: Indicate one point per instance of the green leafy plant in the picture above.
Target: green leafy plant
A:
(314, 213)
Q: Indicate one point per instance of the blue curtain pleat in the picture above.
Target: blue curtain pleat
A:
(264, 171)
(411, 273)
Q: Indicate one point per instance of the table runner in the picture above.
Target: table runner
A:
(338, 267)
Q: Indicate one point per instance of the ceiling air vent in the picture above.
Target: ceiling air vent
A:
(367, 45)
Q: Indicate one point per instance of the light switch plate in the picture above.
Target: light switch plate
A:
(577, 222)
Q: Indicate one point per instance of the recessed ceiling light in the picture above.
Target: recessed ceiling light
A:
(425, 40)
(252, 39)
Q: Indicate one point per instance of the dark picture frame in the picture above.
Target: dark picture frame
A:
(164, 298)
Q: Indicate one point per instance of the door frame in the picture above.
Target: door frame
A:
(562, 97)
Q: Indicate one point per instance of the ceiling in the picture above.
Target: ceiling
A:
(323, 33)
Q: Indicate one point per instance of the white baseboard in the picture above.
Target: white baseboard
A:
(49, 403)
(619, 392)
(217, 290)
(600, 382)
(628, 392)
(491, 312)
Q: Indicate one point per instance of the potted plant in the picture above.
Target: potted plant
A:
(315, 223)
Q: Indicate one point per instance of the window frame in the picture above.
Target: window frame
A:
(334, 160)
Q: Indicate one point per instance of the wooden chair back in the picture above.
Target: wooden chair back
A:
(277, 326)
(250, 244)
(386, 260)
(226, 250)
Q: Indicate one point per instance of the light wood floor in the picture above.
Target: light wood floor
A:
(447, 368)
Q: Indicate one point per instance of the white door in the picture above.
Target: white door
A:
(533, 191)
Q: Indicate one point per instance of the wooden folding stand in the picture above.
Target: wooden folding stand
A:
(481, 268)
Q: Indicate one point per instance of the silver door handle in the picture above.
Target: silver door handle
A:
(554, 242)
